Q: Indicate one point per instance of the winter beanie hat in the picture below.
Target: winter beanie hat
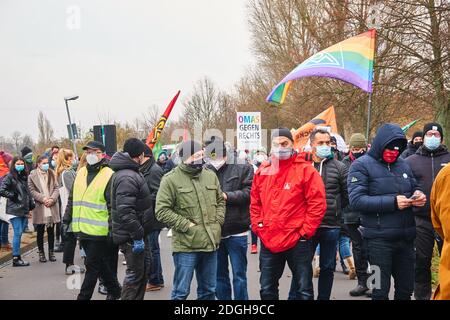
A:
(26, 151)
(282, 132)
(188, 148)
(433, 126)
(358, 140)
(134, 147)
(417, 134)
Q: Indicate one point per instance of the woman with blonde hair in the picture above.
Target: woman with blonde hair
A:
(66, 177)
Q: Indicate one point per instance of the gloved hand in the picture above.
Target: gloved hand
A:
(138, 246)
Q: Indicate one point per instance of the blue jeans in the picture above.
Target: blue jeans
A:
(394, 258)
(344, 247)
(4, 230)
(155, 276)
(205, 266)
(299, 259)
(327, 238)
(17, 224)
(236, 249)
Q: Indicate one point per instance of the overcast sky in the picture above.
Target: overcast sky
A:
(119, 56)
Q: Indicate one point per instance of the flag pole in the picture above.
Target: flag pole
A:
(369, 110)
(369, 107)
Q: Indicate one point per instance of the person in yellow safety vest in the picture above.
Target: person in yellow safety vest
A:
(88, 216)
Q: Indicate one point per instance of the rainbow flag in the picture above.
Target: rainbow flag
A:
(350, 60)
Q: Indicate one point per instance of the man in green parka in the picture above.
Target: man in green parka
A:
(191, 202)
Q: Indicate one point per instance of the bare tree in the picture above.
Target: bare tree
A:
(46, 133)
(16, 138)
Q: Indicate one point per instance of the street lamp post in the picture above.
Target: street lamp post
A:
(70, 124)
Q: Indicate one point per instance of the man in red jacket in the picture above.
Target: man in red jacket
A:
(287, 206)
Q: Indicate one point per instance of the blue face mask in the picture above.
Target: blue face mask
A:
(45, 167)
(432, 143)
(19, 167)
(323, 151)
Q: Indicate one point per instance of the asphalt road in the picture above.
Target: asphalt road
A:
(47, 281)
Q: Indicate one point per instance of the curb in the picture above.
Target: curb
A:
(23, 250)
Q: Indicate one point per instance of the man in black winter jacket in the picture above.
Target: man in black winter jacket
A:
(101, 253)
(131, 215)
(383, 188)
(426, 164)
(153, 174)
(334, 176)
(235, 182)
(414, 145)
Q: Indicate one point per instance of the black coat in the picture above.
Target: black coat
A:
(334, 176)
(19, 200)
(92, 173)
(153, 174)
(425, 165)
(236, 182)
(350, 215)
(410, 150)
(131, 204)
(374, 186)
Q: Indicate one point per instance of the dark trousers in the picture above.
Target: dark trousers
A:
(328, 239)
(135, 281)
(98, 254)
(40, 228)
(70, 244)
(424, 243)
(299, 260)
(392, 258)
(359, 254)
(155, 276)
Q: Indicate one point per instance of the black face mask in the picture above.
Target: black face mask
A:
(417, 145)
(197, 166)
(359, 154)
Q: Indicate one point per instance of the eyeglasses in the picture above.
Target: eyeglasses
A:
(430, 134)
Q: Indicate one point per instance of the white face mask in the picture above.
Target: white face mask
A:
(92, 159)
(260, 158)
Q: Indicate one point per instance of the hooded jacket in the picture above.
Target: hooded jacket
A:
(426, 165)
(131, 203)
(440, 213)
(288, 199)
(350, 215)
(374, 185)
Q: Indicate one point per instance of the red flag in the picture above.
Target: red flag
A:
(155, 134)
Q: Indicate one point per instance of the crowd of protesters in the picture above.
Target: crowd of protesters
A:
(379, 207)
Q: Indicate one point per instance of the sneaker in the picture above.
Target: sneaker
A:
(72, 269)
(254, 249)
(102, 290)
(18, 262)
(152, 287)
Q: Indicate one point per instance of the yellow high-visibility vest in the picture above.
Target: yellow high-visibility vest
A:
(89, 212)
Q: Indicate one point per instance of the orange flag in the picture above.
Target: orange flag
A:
(155, 134)
(325, 119)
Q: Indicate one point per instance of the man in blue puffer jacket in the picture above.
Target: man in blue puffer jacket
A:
(382, 187)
